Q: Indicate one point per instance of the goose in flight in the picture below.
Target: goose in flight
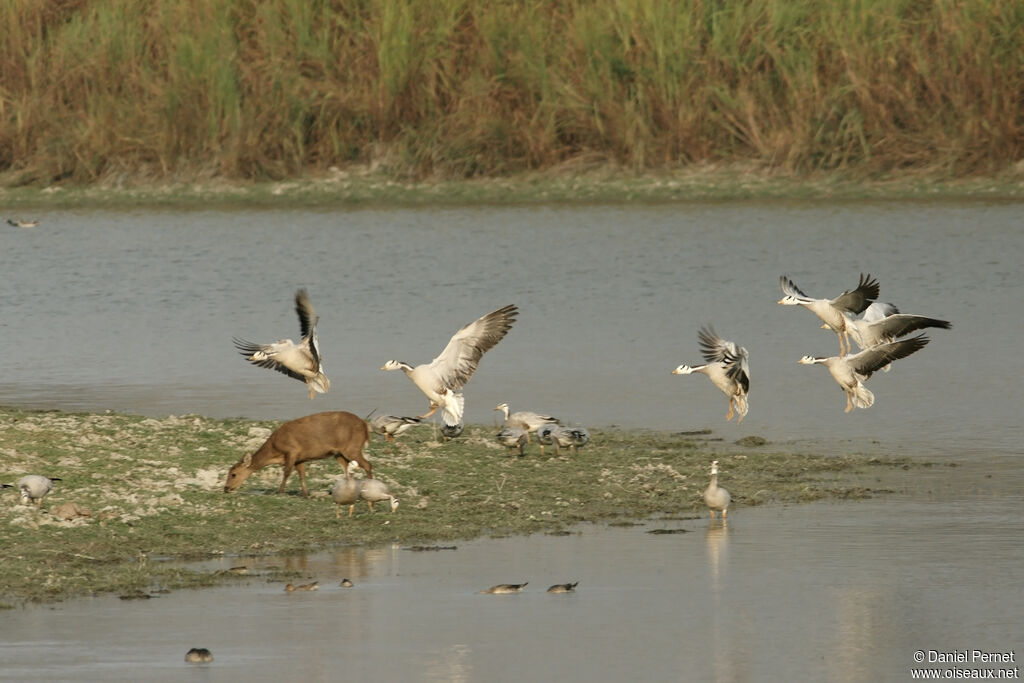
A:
(442, 378)
(882, 323)
(831, 310)
(302, 360)
(852, 371)
(727, 367)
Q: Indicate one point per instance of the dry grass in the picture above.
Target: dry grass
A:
(460, 88)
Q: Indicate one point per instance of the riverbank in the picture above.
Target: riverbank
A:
(579, 182)
(153, 490)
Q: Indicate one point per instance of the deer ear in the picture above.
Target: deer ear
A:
(247, 460)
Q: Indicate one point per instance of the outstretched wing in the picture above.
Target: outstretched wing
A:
(460, 358)
(869, 360)
(857, 300)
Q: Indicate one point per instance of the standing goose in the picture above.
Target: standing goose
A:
(727, 366)
(302, 360)
(852, 371)
(513, 438)
(375, 491)
(33, 488)
(346, 491)
(525, 419)
(391, 426)
(831, 310)
(715, 496)
(563, 437)
(442, 378)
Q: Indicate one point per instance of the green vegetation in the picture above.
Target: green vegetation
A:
(140, 93)
(154, 490)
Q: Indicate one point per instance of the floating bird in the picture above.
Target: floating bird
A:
(563, 587)
(19, 223)
(525, 419)
(852, 371)
(346, 491)
(727, 366)
(450, 432)
(505, 588)
(291, 588)
(391, 426)
(831, 310)
(346, 583)
(375, 491)
(33, 487)
(442, 378)
(715, 496)
(512, 438)
(302, 360)
(198, 655)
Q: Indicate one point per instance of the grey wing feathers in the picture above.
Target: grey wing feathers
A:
(903, 323)
(459, 359)
(248, 349)
(857, 300)
(789, 288)
(866, 362)
(712, 347)
(307, 314)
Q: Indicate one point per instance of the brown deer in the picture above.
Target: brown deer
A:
(312, 437)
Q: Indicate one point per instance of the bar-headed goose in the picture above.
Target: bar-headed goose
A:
(505, 588)
(346, 491)
(831, 310)
(525, 419)
(715, 497)
(883, 323)
(512, 438)
(376, 491)
(22, 223)
(852, 371)
(33, 488)
(302, 360)
(727, 366)
(391, 426)
(562, 437)
(442, 378)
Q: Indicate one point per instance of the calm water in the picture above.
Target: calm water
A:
(135, 311)
(837, 592)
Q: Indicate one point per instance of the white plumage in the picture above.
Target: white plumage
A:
(831, 310)
(728, 367)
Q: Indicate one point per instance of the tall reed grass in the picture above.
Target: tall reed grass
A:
(459, 88)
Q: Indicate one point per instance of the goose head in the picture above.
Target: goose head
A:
(395, 365)
(682, 370)
(811, 360)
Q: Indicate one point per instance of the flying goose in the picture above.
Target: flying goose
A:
(715, 496)
(852, 371)
(391, 426)
(831, 310)
(346, 491)
(727, 367)
(442, 378)
(505, 588)
(525, 419)
(880, 325)
(20, 223)
(512, 438)
(302, 360)
(33, 487)
(375, 491)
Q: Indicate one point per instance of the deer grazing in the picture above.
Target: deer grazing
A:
(312, 437)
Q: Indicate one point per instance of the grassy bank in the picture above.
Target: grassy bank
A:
(153, 488)
(131, 92)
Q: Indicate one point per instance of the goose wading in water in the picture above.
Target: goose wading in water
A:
(852, 371)
(831, 310)
(302, 360)
(391, 426)
(727, 366)
(33, 488)
(443, 377)
(715, 497)
(525, 419)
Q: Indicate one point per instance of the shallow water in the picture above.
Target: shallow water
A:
(825, 591)
(134, 311)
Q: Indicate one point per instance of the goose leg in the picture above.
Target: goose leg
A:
(433, 409)
(849, 403)
(311, 393)
(728, 416)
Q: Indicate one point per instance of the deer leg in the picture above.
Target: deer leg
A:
(284, 478)
(301, 469)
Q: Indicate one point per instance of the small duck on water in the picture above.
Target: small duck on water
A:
(505, 588)
(198, 655)
(564, 587)
(291, 588)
